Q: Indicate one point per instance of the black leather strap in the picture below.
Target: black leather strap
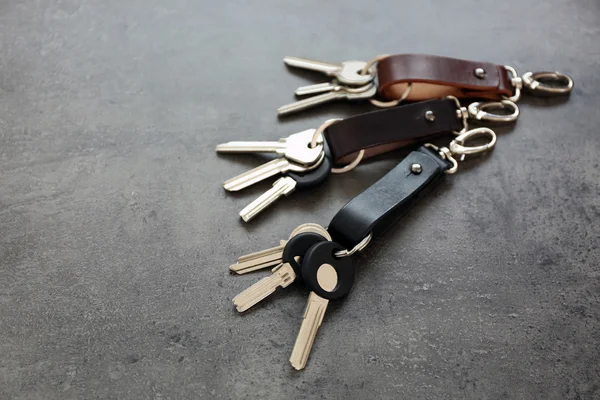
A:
(381, 131)
(375, 209)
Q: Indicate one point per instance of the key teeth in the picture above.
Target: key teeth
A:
(283, 275)
(282, 187)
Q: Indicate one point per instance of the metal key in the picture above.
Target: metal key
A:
(270, 257)
(339, 93)
(329, 278)
(311, 321)
(283, 274)
(267, 170)
(317, 88)
(285, 186)
(346, 72)
(294, 147)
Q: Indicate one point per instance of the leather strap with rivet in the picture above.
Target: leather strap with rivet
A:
(387, 80)
(373, 211)
(377, 208)
(435, 76)
(381, 131)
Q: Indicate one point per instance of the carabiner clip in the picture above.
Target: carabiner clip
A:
(534, 82)
(477, 111)
(457, 146)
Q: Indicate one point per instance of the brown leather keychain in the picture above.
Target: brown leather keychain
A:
(418, 77)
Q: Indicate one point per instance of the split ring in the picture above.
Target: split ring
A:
(320, 131)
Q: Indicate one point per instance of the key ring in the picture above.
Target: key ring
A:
(314, 143)
(359, 247)
(384, 104)
(392, 103)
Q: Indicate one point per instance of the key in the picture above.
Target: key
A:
(283, 275)
(317, 88)
(285, 186)
(273, 256)
(295, 147)
(340, 93)
(329, 278)
(267, 170)
(346, 72)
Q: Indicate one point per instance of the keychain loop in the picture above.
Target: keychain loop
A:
(392, 103)
(368, 66)
(516, 82)
(534, 82)
(319, 131)
(445, 154)
(462, 113)
(477, 110)
(378, 103)
(360, 246)
(350, 166)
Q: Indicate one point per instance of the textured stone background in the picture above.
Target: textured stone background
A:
(116, 233)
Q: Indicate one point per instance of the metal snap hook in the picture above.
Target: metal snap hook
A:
(457, 146)
(534, 82)
(477, 111)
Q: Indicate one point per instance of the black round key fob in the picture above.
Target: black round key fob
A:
(320, 268)
(297, 246)
(313, 177)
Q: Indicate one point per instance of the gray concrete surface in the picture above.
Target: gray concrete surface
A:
(116, 233)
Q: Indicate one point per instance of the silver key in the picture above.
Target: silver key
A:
(283, 275)
(312, 320)
(282, 187)
(259, 260)
(267, 170)
(346, 72)
(339, 93)
(316, 88)
(270, 257)
(294, 147)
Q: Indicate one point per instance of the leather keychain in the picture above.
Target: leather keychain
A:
(327, 265)
(348, 142)
(418, 77)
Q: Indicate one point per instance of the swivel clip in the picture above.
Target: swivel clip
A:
(458, 146)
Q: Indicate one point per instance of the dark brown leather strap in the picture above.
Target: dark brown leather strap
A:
(382, 131)
(435, 77)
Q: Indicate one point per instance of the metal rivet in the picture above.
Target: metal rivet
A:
(480, 73)
(416, 168)
(429, 116)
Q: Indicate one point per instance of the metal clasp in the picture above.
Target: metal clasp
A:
(477, 111)
(534, 82)
(457, 146)
(517, 83)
